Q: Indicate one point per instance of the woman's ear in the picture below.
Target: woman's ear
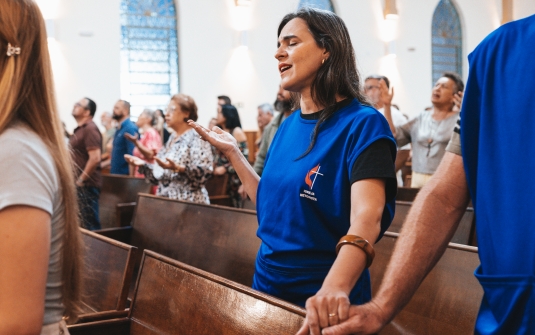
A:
(187, 117)
(326, 54)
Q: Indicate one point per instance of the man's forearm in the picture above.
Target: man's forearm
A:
(429, 226)
(388, 117)
(89, 168)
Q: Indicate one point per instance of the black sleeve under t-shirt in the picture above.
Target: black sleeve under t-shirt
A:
(376, 162)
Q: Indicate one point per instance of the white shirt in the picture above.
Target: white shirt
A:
(399, 119)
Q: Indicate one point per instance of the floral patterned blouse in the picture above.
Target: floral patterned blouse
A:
(192, 152)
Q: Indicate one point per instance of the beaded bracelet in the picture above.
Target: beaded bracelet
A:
(358, 242)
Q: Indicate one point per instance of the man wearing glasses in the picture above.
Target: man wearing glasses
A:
(86, 144)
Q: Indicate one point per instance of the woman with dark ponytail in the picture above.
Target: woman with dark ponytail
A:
(327, 191)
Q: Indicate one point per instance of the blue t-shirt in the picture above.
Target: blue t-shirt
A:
(304, 204)
(497, 129)
(122, 146)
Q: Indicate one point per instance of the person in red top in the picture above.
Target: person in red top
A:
(149, 143)
(86, 144)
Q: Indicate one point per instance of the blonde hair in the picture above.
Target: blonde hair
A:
(27, 94)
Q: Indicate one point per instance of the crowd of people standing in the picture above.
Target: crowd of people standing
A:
(334, 197)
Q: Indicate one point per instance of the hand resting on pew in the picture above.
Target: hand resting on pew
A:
(227, 144)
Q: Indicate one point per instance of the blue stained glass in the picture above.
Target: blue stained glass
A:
(447, 40)
(321, 4)
(149, 53)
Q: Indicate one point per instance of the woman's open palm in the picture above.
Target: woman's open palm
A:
(220, 139)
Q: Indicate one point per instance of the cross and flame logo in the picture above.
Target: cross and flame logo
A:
(311, 176)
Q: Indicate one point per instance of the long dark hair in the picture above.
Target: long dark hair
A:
(232, 118)
(339, 74)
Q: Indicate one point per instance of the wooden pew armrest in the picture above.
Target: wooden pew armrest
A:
(99, 316)
(121, 234)
(124, 213)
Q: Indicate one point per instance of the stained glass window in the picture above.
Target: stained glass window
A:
(149, 53)
(447, 40)
(322, 4)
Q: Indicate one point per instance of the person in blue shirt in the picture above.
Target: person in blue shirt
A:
(121, 145)
(328, 181)
(489, 160)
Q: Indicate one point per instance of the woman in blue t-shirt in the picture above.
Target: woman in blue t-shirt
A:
(328, 184)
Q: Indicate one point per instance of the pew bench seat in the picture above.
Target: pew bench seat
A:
(175, 298)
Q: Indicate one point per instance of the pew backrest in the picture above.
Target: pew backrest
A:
(407, 194)
(118, 189)
(447, 301)
(107, 273)
(462, 234)
(217, 239)
(174, 298)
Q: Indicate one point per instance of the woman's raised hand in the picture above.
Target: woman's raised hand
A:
(216, 137)
(170, 165)
(457, 101)
(131, 138)
(134, 160)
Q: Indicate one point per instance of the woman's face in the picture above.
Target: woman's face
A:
(443, 92)
(174, 115)
(299, 56)
(220, 117)
(143, 120)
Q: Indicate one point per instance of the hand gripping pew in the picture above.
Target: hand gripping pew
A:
(448, 299)
(107, 272)
(117, 199)
(175, 298)
(217, 239)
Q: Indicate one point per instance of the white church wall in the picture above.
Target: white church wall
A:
(211, 61)
(84, 53)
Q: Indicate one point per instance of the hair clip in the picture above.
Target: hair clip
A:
(11, 50)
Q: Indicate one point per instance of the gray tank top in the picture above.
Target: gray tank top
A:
(31, 179)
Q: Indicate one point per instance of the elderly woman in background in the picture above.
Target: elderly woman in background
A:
(160, 126)
(265, 115)
(185, 163)
(228, 119)
(430, 131)
(150, 142)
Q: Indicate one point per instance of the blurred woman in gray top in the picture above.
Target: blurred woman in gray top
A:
(430, 131)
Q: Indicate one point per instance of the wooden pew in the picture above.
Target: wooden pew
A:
(220, 240)
(217, 190)
(108, 268)
(406, 194)
(447, 301)
(174, 298)
(462, 235)
(116, 191)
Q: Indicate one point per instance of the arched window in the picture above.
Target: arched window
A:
(447, 40)
(322, 4)
(149, 53)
